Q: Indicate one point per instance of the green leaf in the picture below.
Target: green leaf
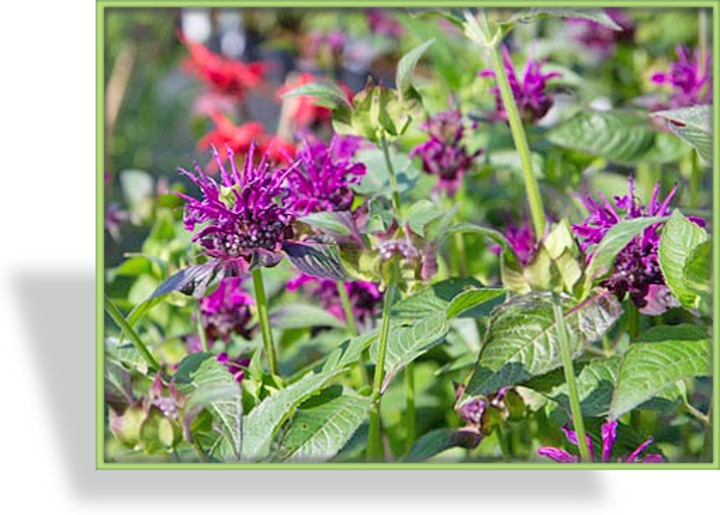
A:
(316, 259)
(433, 299)
(697, 272)
(348, 352)
(595, 15)
(193, 280)
(209, 385)
(617, 136)
(406, 66)
(376, 180)
(665, 356)
(328, 93)
(439, 440)
(330, 222)
(679, 238)
(475, 303)
(421, 213)
(297, 316)
(261, 424)
(616, 239)
(521, 340)
(322, 425)
(694, 125)
(406, 343)
(595, 384)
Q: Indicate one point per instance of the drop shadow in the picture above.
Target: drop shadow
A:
(63, 348)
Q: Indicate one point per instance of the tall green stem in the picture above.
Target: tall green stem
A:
(262, 309)
(391, 174)
(489, 43)
(410, 424)
(575, 409)
(375, 447)
(117, 317)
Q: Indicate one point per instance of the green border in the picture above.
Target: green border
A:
(100, 464)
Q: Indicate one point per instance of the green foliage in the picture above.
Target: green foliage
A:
(694, 125)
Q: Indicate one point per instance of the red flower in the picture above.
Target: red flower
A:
(304, 111)
(225, 75)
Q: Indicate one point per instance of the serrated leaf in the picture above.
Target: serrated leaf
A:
(665, 356)
(349, 351)
(406, 66)
(595, 15)
(694, 125)
(595, 385)
(433, 299)
(323, 425)
(679, 237)
(521, 340)
(697, 272)
(617, 136)
(329, 94)
(261, 424)
(406, 343)
(475, 303)
(316, 259)
(209, 385)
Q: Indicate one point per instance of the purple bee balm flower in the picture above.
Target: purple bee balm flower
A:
(531, 94)
(365, 297)
(246, 217)
(227, 311)
(521, 239)
(600, 40)
(609, 435)
(324, 174)
(382, 22)
(444, 155)
(235, 366)
(637, 270)
(690, 79)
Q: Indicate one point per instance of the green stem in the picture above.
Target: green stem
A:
(117, 317)
(410, 405)
(460, 250)
(695, 172)
(352, 327)
(201, 330)
(391, 174)
(516, 126)
(633, 321)
(375, 448)
(262, 309)
(575, 409)
(503, 442)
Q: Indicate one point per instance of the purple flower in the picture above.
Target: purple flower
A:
(521, 239)
(637, 270)
(601, 40)
(381, 22)
(531, 94)
(323, 176)
(246, 217)
(115, 216)
(365, 297)
(227, 311)
(235, 366)
(609, 435)
(690, 79)
(443, 154)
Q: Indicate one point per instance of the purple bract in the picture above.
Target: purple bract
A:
(444, 154)
(609, 435)
(227, 311)
(531, 93)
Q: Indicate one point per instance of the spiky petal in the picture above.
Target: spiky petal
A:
(689, 78)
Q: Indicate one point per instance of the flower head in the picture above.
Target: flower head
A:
(246, 217)
(600, 40)
(224, 75)
(227, 311)
(365, 297)
(637, 269)
(531, 93)
(324, 175)
(444, 154)
(689, 78)
(609, 435)
(521, 239)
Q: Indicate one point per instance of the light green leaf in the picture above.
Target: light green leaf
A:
(295, 315)
(330, 222)
(694, 125)
(406, 66)
(376, 180)
(521, 340)
(433, 299)
(665, 356)
(261, 424)
(697, 272)
(348, 352)
(478, 302)
(328, 94)
(595, 15)
(323, 425)
(679, 237)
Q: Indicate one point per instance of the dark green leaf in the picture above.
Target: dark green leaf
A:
(433, 299)
(193, 280)
(475, 303)
(439, 440)
(316, 259)
(297, 316)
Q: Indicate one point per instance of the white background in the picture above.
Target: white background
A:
(47, 260)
